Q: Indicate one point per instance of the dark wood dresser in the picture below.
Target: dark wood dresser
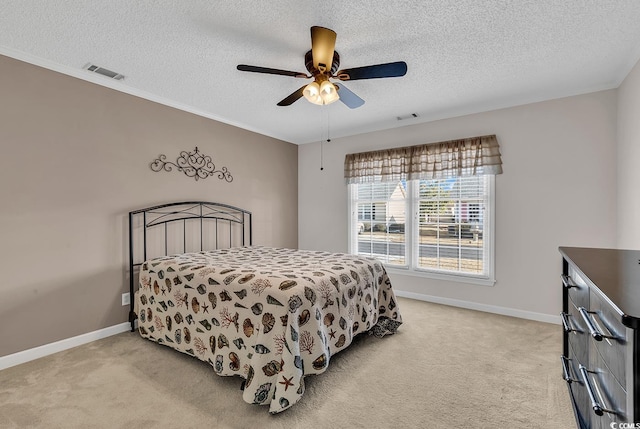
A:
(601, 317)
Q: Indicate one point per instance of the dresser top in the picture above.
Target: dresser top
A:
(616, 273)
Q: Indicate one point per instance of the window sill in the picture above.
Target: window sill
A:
(457, 278)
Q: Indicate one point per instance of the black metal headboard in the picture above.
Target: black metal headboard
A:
(182, 227)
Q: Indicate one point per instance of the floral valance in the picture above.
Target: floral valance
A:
(465, 157)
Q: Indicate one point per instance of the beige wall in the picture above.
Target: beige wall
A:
(629, 161)
(75, 159)
(558, 189)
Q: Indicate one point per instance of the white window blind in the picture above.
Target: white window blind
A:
(439, 227)
(451, 225)
(380, 217)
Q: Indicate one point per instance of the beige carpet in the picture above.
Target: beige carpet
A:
(446, 368)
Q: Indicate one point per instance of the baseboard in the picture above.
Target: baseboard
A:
(48, 349)
(522, 314)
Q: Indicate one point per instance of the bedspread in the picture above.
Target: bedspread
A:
(270, 315)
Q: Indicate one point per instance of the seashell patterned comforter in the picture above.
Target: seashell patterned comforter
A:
(271, 316)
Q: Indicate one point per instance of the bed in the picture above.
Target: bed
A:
(269, 315)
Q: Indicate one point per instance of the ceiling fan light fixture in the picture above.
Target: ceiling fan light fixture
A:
(323, 93)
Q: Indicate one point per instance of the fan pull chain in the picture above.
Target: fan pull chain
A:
(325, 117)
(322, 141)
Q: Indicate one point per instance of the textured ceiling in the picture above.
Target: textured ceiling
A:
(463, 56)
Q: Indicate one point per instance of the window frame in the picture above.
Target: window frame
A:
(411, 268)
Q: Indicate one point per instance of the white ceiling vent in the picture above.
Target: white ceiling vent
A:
(410, 116)
(104, 72)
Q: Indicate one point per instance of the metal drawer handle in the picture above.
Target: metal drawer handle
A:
(566, 323)
(597, 408)
(597, 335)
(565, 370)
(567, 282)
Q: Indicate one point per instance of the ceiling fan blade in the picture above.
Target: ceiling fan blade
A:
(293, 97)
(397, 69)
(351, 100)
(323, 43)
(256, 69)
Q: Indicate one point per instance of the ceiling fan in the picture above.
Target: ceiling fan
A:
(322, 62)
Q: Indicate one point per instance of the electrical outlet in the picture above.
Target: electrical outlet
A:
(126, 299)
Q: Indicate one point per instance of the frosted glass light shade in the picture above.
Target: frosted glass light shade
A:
(312, 93)
(328, 92)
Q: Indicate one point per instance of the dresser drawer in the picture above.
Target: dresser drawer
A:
(578, 337)
(613, 347)
(607, 391)
(577, 288)
(579, 393)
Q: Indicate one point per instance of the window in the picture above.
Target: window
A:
(451, 225)
(441, 228)
(381, 217)
(426, 209)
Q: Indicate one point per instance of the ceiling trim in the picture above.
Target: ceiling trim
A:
(477, 109)
(624, 72)
(119, 86)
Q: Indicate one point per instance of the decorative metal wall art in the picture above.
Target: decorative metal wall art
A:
(193, 164)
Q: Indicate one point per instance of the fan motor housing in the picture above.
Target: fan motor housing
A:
(308, 62)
